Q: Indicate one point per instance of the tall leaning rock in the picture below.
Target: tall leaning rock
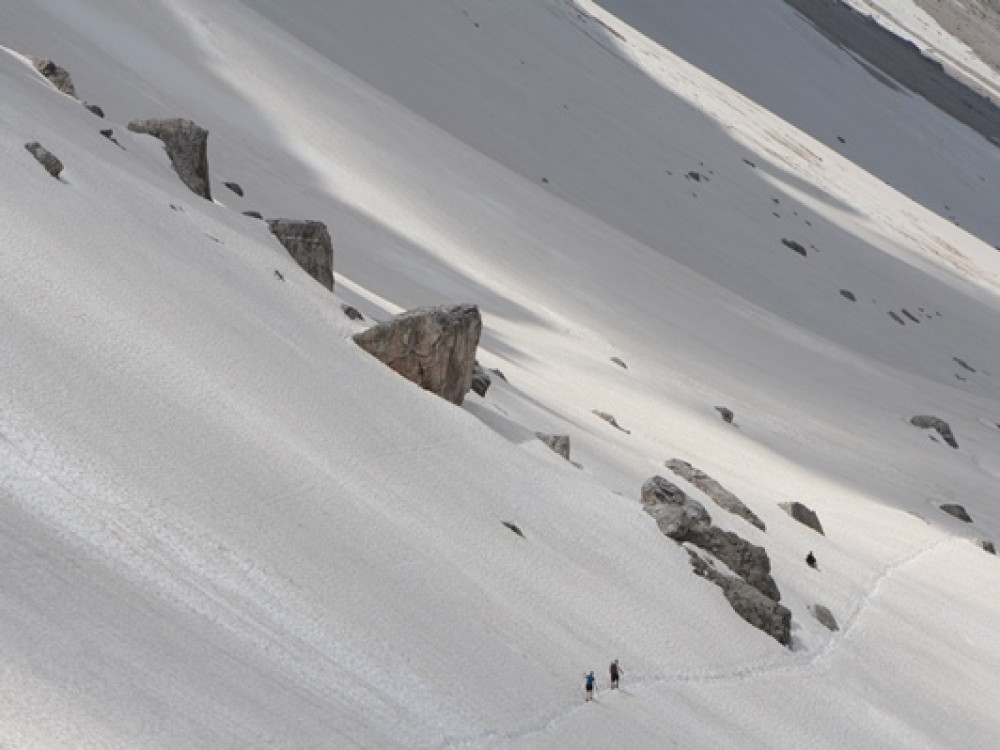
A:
(309, 243)
(435, 347)
(187, 147)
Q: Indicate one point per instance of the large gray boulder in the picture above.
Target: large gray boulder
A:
(929, 422)
(435, 347)
(803, 515)
(722, 497)
(46, 158)
(674, 512)
(309, 243)
(187, 147)
(762, 612)
(54, 74)
(749, 561)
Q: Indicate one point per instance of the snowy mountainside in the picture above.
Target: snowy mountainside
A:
(225, 525)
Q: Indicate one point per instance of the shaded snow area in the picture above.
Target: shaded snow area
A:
(224, 525)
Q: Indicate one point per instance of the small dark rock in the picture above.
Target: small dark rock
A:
(848, 295)
(961, 363)
(727, 414)
(956, 510)
(897, 318)
(499, 374)
(751, 164)
(558, 443)
(253, 214)
(987, 545)
(928, 422)
(46, 158)
(696, 176)
(95, 109)
(910, 315)
(481, 381)
(352, 312)
(279, 275)
(610, 419)
(513, 527)
(793, 245)
(235, 187)
(54, 74)
(619, 362)
(824, 616)
(803, 515)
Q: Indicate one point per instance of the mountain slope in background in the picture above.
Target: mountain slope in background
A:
(223, 524)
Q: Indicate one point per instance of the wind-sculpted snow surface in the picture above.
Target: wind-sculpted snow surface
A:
(222, 524)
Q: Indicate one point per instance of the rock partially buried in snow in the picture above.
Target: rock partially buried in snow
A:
(928, 422)
(726, 414)
(987, 546)
(46, 158)
(956, 510)
(187, 147)
(722, 497)
(435, 347)
(54, 74)
(803, 515)
(674, 512)
(610, 419)
(824, 616)
(558, 443)
(309, 243)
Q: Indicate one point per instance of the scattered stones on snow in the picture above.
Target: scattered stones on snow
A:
(46, 158)
(558, 443)
(309, 243)
(54, 74)
(824, 616)
(235, 187)
(726, 414)
(956, 510)
(610, 419)
(352, 312)
(803, 515)
(434, 347)
(928, 422)
(187, 147)
(722, 497)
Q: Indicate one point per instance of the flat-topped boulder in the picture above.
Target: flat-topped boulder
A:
(434, 347)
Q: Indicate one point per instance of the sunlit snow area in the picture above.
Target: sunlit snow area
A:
(225, 525)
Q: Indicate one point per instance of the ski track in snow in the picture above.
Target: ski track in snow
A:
(799, 662)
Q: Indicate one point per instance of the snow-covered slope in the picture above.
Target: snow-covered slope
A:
(223, 524)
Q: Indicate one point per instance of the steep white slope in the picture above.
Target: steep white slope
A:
(224, 524)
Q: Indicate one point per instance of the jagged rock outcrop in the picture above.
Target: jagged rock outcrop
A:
(762, 612)
(435, 347)
(674, 512)
(928, 422)
(722, 497)
(956, 510)
(824, 616)
(309, 243)
(558, 443)
(481, 380)
(54, 74)
(749, 561)
(803, 515)
(187, 146)
(46, 158)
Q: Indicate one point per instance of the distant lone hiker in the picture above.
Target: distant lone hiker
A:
(615, 671)
(811, 560)
(589, 685)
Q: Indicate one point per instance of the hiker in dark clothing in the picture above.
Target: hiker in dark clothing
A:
(589, 685)
(615, 671)
(811, 560)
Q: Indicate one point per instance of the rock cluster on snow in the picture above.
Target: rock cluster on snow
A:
(722, 497)
(749, 589)
(187, 147)
(435, 347)
(46, 158)
(803, 515)
(309, 243)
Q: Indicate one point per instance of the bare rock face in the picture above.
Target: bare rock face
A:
(187, 147)
(435, 347)
(558, 443)
(824, 616)
(674, 512)
(803, 515)
(761, 611)
(958, 511)
(928, 422)
(722, 497)
(309, 243)
(54, 74)
(744, 558)
(46, 158)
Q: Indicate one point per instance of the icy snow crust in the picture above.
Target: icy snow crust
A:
(224, 525)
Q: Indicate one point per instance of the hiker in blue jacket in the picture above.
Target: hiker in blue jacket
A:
(589, 685)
